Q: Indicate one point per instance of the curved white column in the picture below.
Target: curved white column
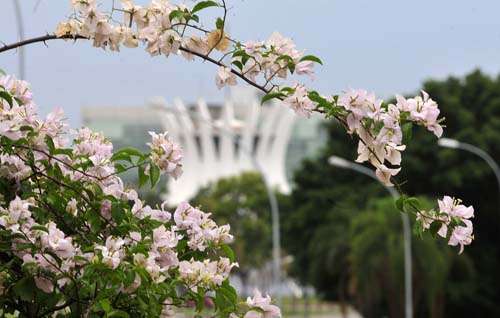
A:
(227, 137)
(206, 133)
(271, 125)
(248, 135)
(275, 163)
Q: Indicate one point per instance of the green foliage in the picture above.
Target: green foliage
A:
(311, 58)
(270, 96)
(243, 203)
(327, 198)
(377, 263)
(67, 241)
(203, 5)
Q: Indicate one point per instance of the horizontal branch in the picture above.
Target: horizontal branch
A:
(43, 38)
(50, 37)
(205, 57)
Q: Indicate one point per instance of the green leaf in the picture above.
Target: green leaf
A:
(50, 144)
(203, 5)
(407, 132)
(26, 128)
(400, 203)
(39, 228)
(311, 58)
(239, 53)
(63, 151)
(270, 96)
(119, 168)
(219, 24)
(105, 305)
(118, 313)
(229, 252)
(6, 96)
(434, 228)
(154, 174)
(2, 72)
(238, 64)
(226, 297)
(194, 17)
(25, 288)
(126, 154)
(143, 177)
(413, 203)
(317, 98)
(176, 14)
(131, 152)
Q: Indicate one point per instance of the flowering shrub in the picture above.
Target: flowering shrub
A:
(166, 29)
(450, 214)
(75, 241)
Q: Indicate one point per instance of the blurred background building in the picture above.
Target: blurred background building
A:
(218, 140)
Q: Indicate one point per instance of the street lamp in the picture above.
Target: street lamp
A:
(455, 144)
(345, 164)
(20, 32)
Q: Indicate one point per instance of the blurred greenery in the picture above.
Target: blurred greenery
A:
(242, 202)
(348, 245)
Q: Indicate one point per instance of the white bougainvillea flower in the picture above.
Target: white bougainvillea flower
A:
(299, 101)
(166, 154)
(225, 77)
(267, 310)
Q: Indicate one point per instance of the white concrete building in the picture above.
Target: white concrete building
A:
(218, 140)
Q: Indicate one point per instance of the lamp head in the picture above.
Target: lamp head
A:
(449, 143)
(339, 162)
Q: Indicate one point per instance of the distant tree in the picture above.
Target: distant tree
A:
(325, 199)
(377, 264)
(243, 203)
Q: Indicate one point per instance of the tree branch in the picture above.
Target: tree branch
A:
(205, 57)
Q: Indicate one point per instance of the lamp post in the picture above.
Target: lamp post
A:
(20, 32)
(345, 164)
(273, 201)
(455, 144)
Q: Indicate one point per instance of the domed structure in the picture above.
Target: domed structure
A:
(226, 140)
(218, 140)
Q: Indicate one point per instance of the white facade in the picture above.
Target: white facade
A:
(218, 140)
(241, 137)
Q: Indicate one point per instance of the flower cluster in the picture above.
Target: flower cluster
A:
(169, 29)
(50, 242)
(453, 219)
(379, 127)
(201, 229)
(166, 154)
(261, 307)
(74, 229)
(166, 28)
(68, 221)
(205, 274)
(13, 116)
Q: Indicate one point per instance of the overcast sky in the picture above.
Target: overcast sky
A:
(388, 46)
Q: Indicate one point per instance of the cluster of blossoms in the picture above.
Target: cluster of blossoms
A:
(165, 28)
(166, 154)
(263, 305)
(379, 127)
(67, 222)
(169, 29)
(75, 230)
(49, 241)
(453, 221)
(205, 274)
(201, 229)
